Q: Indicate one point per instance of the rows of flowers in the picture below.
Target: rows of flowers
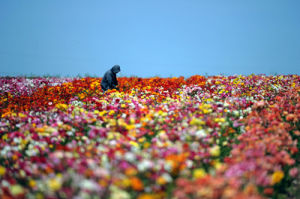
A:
(17, 94)
(201, 137)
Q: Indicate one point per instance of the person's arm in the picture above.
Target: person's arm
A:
(114, 81)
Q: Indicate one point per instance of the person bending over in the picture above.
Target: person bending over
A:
(109, 80)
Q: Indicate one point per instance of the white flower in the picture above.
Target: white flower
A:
(16, 140)
(5, 183)
(89, 185)
(167, 177)
(144, 165)
(70, 133)
(117, 193)
(113, 142)
(189, 163)
(194, 146)
(236, 113)
(200, 133)
(148, 189)
(168, 166)
(129, 157)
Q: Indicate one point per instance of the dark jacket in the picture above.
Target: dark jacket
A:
(109, 80)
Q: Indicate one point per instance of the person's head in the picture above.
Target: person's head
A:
(115, 69)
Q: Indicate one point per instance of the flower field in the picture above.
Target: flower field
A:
(217, 137)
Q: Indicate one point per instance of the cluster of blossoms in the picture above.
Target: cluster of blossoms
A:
(26, 86)
(18, 94)
(155, 138)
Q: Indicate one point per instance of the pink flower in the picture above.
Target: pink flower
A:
(293, 172)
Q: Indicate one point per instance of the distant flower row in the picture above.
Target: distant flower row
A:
(214, 137)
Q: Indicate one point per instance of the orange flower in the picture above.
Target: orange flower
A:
(177, 161)
(136, 184)
(149, 196)
(130, 171)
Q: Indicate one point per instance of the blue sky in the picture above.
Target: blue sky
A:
(149, 38)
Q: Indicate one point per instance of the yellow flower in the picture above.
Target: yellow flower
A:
(121, 122)
(215, 151)
(24, 142)
(32, 183)
(146, 145)
(110, 136)
(130, 127)
(39, 196)
(293, 85)
(142, 139)
(95, 84)
(102, 113)
(161, 113)
(13, 114)
(112, 122)
(135, 144)
(221, 120)
(132, 120)
(199, 173)
(62, 107)
(54, 183)
(5, 137)
(206, 108)
(117, 193)
(111, 112)
(197, 122)
(277, 177)
(22, 115)
(126, 182)
(217, 165)
(2, 170)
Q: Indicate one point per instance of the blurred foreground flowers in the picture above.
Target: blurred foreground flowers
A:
(214, 137)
